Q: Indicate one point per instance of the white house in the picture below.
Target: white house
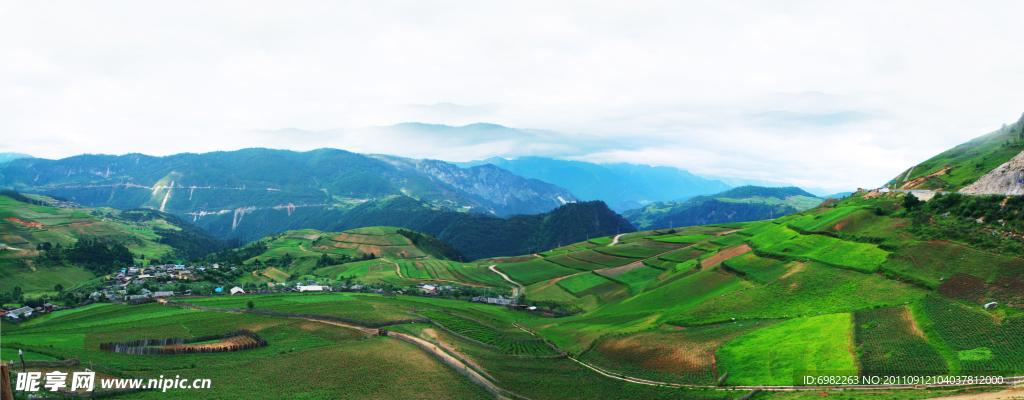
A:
(430, 288)
(237, 290)
(311, 288)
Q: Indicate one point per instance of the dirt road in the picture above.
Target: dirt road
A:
(516, 291)
(615, 239)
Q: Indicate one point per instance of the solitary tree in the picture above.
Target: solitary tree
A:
(250, 304)
(59, 288)
(910, 201)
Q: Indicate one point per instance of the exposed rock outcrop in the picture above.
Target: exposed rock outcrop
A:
(1004, 179)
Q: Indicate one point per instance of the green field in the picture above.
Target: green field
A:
(534, 271)
(578, 284)
(809, 289)
(637, 279)
(688, 239)
(769, 356)
(757, 269)
(892, 344)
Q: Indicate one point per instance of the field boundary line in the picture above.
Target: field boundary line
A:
(1009, 381)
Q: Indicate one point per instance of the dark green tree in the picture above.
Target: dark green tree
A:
(910, 202)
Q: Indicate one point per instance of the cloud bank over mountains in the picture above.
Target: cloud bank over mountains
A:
(818, 94)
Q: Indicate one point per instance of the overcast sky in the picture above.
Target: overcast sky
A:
(831, 94)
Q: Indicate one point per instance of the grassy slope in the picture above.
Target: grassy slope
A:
(64, 227)
(970, 161)
(769, 356)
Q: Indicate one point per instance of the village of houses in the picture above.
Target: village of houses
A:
(117, 290)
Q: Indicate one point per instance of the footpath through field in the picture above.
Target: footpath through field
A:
(515, 291)
(431, 348)
(615, 239)
(1012, 380)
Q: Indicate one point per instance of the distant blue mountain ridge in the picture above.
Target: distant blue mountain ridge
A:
(622, 186)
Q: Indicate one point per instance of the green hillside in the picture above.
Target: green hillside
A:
(48, 245)
(746, 203)
(387, 256)
(875, 283)
(960, 166)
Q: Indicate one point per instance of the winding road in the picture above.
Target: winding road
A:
(615, 239)
(516, 291)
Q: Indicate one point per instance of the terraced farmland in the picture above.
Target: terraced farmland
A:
(892, 344)
(486, 335)
(982, 344)
(669, 355)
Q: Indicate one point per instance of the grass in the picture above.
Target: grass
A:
(569, 262)
(729, 240)
(667, 355)
(858, 256)
(758, 269)
(9, 354)
(533, 271)
(810, 289)
(637, 279)
(770, 355)
(678, 293)
(826, 219)
(578, 284)
(600, 258)
(59, 341)
(688, 239)
(633, 250)
(891, 344)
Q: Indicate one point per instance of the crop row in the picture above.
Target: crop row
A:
(486, 335)
(891, 344)
(982, 344)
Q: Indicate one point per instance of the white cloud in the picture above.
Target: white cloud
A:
(816, 93)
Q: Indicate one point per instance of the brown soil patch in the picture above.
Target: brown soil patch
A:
(911, 185)
(795, 266)
(554, 281)
(904, 314)
(839, 227)
(965, 288)
(367, 249)
(362, 239)
(13, 239)
(430, 332)
(616, 271)
(661, 351)
(235, 341)
(32, 224)
(725, 255)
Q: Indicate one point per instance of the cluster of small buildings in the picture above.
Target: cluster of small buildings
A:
(500, 300)
(430, 288)
(110, 293)
(21, 313)
(162, 273)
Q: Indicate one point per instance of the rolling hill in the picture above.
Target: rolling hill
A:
(979, 166)
(746, 203)
(52, 241)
